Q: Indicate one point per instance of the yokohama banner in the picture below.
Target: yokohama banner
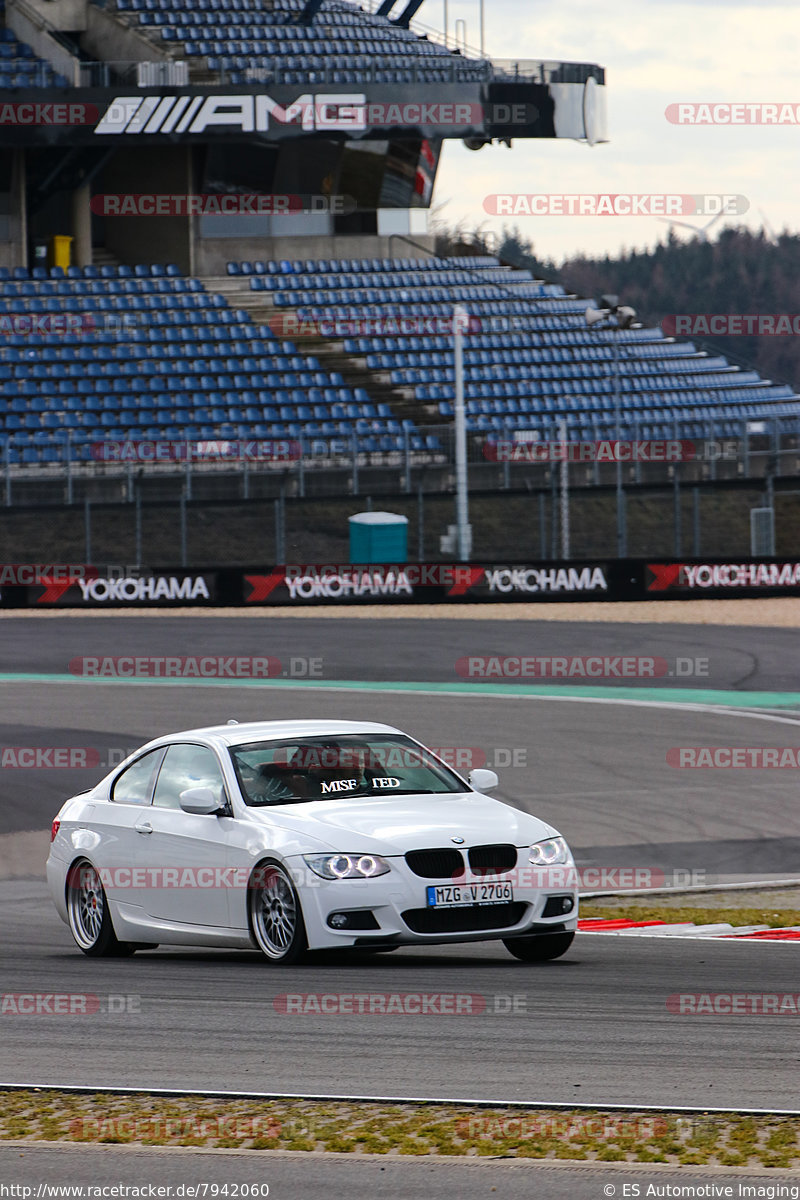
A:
(317, 583)
(302, 584)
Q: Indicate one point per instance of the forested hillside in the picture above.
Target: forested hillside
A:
(737, 272)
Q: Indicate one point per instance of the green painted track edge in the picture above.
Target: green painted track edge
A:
(652, 695)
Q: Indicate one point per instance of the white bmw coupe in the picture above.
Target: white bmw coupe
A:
(305, 835)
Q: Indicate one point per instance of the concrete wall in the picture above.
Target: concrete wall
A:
(13, 233)
(69, 15)
(106, 40)
(212, 256)
(30, 26)
(162, 170)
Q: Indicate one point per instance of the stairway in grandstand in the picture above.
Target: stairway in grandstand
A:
(190, 361)
(104, 258)
(19, 65)
(330, 351)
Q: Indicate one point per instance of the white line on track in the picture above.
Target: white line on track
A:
(339, 1097)
(388, 690)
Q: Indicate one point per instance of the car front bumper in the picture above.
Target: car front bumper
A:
(392, 909)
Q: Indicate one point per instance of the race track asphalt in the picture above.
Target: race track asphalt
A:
(592, 1027)
(301, 1176)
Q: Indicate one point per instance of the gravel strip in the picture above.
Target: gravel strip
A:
(768, 613)
(401, 1129)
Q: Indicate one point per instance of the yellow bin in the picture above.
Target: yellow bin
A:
(60, 250)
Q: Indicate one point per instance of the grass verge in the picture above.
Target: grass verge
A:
(400, 1129)
(674, 914)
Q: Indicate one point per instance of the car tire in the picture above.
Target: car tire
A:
(276, 915)
(539, 949)
(89, 915)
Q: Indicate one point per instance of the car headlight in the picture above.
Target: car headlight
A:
(346, 866)
(551, 853)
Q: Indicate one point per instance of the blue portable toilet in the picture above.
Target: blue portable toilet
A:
(378, 537)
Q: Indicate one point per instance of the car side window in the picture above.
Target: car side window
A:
(135, 784)
(187, 766)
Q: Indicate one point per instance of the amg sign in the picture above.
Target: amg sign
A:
(492, 108)
(323, 113)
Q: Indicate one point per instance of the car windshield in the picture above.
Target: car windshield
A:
(330, 768)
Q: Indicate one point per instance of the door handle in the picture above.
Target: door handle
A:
(145, 827)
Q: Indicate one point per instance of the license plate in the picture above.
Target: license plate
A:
(460, 895)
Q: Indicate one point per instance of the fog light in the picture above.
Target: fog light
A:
(556, 906)
(356, 919)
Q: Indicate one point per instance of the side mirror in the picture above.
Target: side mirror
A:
(201, 801)
(483, 780)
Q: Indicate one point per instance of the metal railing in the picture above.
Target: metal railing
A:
(27, 72)
(305, 465)
(161, 73)
(281, 70)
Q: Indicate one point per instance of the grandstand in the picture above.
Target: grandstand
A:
(174, 327)
(245, 41)
(184, 361)
(529, 354)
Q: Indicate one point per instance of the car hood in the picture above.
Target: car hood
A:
(394, 825)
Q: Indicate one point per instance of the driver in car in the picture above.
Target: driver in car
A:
(337, 770)
(315, 773)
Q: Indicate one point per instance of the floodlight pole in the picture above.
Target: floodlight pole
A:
(460, 318)
(616, 318)
(562, 434)
(621, 539)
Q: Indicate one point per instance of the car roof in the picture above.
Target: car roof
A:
(254, 731)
